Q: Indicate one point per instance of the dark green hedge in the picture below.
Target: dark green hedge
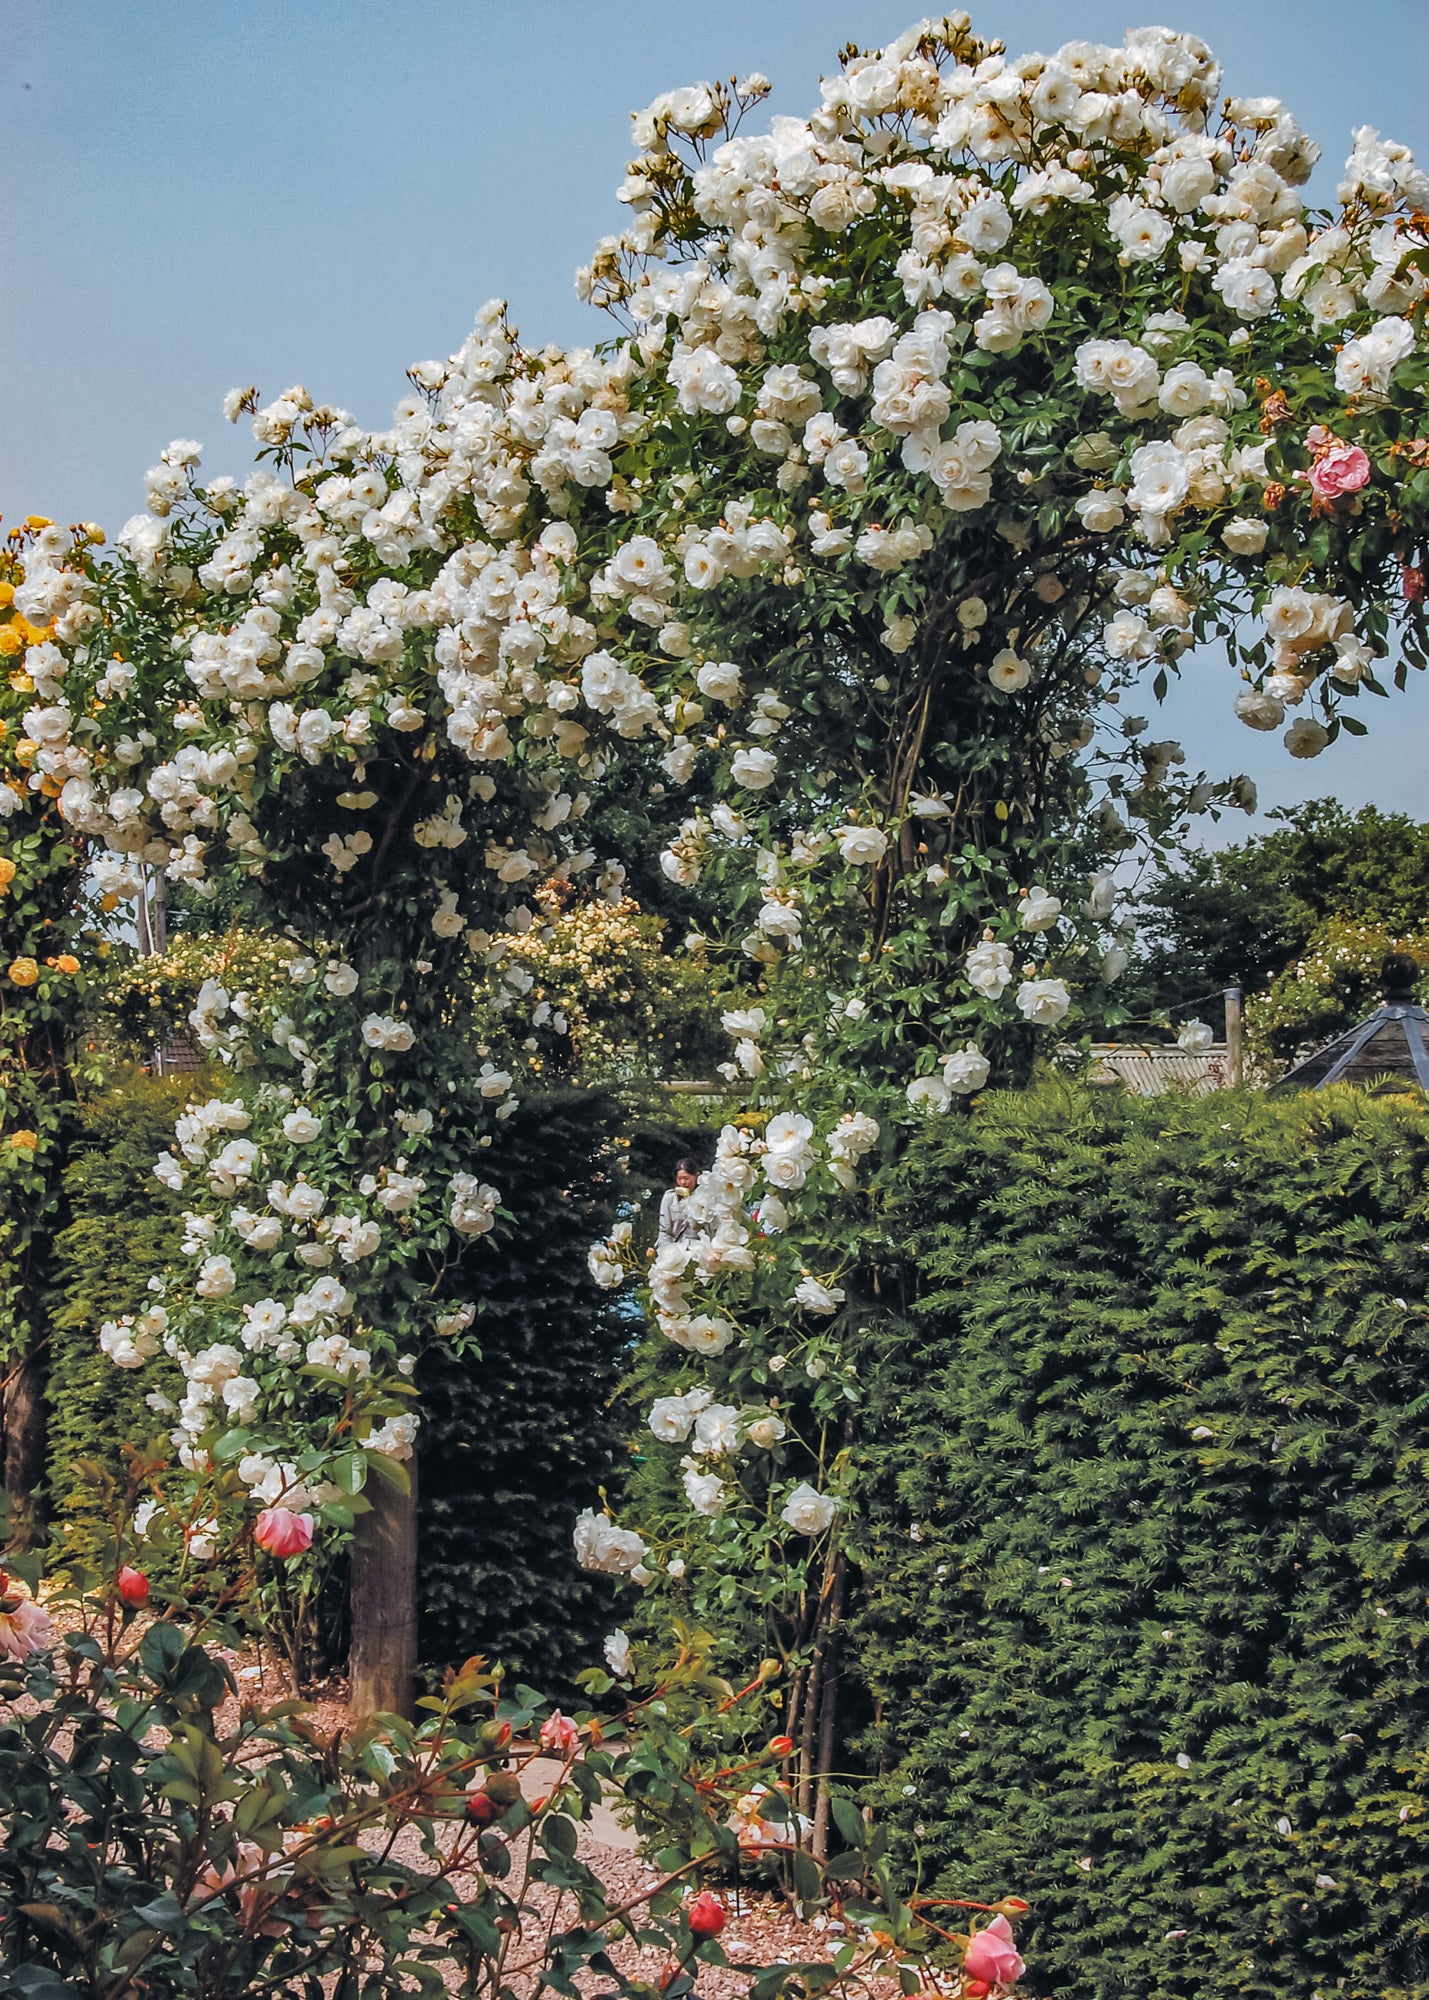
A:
(1147, 1557)
(516, 1442)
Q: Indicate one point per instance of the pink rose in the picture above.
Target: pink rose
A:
(1343, 468)
(25, 1626)
(991, 1955)
(559, 1733)
(282, 1532)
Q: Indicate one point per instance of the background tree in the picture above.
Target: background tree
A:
(1240, 915)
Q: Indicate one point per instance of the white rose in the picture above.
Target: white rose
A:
(1039, 910)
(989, 969)
(617, 1654)
(1195, 1038)
(600, 1545)
(719, 681)
(1260, 711)
(754, 769)
(1305, 738)
(1008, 672)
(807, 1511)
(1244, 536)
(670, 1419)
(861, 846)
(301, 1126)
(766, 1432)
(704, 1491)
(216, 1278)
(966, 1070)
(1043, 1002)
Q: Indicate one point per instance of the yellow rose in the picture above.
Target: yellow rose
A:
(66, 962)
(11, 641)
(23, 1142)
(23, 971)
(7, 873)
(7, 594)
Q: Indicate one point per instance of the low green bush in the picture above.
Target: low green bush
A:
(1146, 1537)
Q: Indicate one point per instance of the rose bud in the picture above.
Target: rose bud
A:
(504, 1787)
(481, 1809)
(495, 1735)
(559, 1733)
(133, 1587)
(706, 1915)
(282, 1532)
(991, 1955)
(781, 1746)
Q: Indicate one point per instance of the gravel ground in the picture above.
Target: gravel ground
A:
(762, 1928)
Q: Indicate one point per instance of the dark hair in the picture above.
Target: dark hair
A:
(688, 1166)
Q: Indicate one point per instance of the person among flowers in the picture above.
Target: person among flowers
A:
(679, 1217)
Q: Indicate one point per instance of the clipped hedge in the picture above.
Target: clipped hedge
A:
(1147, 1537)
(516, 1441)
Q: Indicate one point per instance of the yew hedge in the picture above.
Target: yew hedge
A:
(1146, 1536)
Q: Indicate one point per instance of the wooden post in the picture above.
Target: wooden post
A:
(22, 1439)
(1235, 1037)
(382, 1653)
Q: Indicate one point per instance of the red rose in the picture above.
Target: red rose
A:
(706, 1915)
(133, 1587)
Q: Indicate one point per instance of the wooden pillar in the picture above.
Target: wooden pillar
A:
(1235, 1037)
(382, 1653)
(22, 1439)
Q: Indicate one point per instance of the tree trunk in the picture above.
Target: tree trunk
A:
(382, 1652)
(22, 1431)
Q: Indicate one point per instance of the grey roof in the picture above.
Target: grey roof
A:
(1392, 1044)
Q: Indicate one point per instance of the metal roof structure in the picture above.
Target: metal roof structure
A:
(1390, 1048)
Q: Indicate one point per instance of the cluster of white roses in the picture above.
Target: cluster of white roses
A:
(274, 1209)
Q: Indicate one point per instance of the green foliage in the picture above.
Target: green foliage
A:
(120, 1230)
(518, 1433)
(153, 1845)
(1336, 984)
(1239, 916)
(1144, 1536)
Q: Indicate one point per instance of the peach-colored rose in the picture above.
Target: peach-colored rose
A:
(992, 1955)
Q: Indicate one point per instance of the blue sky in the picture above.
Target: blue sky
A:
(323, 191)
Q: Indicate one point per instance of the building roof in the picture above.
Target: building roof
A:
(1392, 1046)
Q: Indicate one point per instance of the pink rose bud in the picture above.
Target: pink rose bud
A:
(282, 1532)
(991, 1955)
(559, 1733)
(1343, 468)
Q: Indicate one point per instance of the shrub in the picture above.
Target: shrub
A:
(160, 1840)
(1145, 1536)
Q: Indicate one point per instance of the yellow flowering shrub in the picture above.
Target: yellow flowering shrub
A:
(1337, 983)
(142, 1001)
(610, 999)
